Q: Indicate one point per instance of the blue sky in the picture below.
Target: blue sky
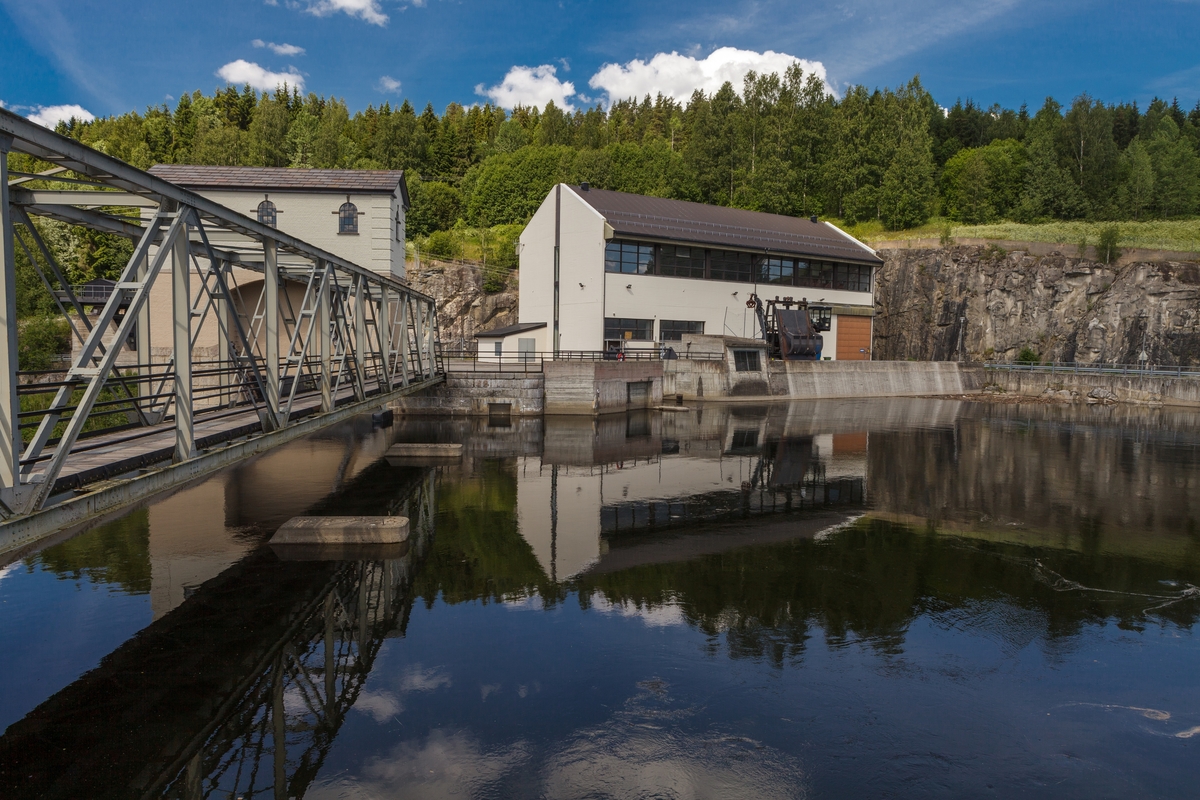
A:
(111, 56)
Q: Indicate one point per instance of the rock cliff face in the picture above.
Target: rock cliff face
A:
(982, 303)
(464, 309)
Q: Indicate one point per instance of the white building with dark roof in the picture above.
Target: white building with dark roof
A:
(634, 272)
(357, 214)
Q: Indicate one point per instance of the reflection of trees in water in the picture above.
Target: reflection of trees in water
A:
(870, 581)
(117, 552)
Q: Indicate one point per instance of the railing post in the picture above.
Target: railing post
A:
(181, 318)
(325, 339)
(10, 403)
(360, 335)
(384, 319)
(152, 408)
(221, 308)
(271, 328)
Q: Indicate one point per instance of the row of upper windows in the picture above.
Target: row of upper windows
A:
(642, 330)
(348, 215)
(644, 258)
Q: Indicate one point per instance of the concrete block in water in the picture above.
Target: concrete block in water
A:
(342, 531)
(410, 452)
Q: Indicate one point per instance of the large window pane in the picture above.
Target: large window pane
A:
(682, 262)
(672, 330)
(776, 270)
(634, 258)
(730, 265)
(634, 330)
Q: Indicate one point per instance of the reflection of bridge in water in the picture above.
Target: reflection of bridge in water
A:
(241, 690)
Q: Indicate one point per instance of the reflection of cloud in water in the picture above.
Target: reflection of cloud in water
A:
(661, 616)
(416, 679)
(644, 750)
(9, 570)
(444, 765)
(381, 706)
(641, 752)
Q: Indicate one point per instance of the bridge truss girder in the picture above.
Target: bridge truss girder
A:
(356, 332)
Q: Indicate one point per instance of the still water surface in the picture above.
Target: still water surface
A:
(905, 598)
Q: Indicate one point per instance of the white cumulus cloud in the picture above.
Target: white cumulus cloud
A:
(388, 84)
(280, 49)
(366, 10)
(530, 86)
(260, 78)
(50, 116)
(677, 76)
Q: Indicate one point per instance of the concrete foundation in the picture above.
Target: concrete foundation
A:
(600, 387)
(479, 394)
(1141, 389)
(341, 531)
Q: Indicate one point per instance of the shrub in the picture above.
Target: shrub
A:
(41, 340)
(443, 244)
(1028, 356)
(1106, 245)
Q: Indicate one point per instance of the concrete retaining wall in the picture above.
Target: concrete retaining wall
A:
(473, 394)
(589, 387)
(1153, 390)
(826, 379)
(711, 380)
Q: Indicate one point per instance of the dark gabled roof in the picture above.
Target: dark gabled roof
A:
(339, 181)
(635, 215)
(509, 330)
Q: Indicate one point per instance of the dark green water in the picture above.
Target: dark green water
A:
(875, 599)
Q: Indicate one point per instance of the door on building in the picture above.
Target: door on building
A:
(638, 393)
(853, 338)
(526, 348)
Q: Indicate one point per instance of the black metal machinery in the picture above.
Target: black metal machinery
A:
(791, 327)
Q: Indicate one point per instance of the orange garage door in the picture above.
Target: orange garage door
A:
(853, 338)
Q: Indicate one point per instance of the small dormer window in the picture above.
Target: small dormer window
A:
(267, 213)
(348, 217)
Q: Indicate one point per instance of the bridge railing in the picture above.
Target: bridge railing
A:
(1077, 368)
(532, 360)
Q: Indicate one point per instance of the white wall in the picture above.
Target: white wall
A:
(312, 216)
(581, 260)
(582, 309)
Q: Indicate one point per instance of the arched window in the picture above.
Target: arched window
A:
(348, 218)
(267, 214)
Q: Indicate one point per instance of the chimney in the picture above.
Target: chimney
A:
(583, 187)
(813, 218)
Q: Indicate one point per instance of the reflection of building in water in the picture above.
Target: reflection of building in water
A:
(198, 532)
(647, 473)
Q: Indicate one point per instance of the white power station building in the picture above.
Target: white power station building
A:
(638, 272)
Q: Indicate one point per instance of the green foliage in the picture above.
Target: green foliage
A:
(1107, 250)
(41, 340)
(436, 206)
(984, 184)
(443, 244)
(1028, 356)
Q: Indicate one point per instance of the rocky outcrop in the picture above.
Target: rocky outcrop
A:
(464, 308)
(984, 303)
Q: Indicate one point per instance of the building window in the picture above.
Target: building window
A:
(635, 258)
(730, 265)
(630, 330)
(672, 330)
(399, 225)
(818, 274)
(499, 348)
(682, 262)
(776, 270)
(348, 218)
(852, 277)
(267, 213)
(746, 361)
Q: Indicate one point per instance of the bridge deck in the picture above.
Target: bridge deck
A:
(110, 455)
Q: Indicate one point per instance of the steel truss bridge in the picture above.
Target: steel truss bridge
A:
(320, 334)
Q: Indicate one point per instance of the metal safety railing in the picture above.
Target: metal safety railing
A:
(1076, 368)
(532, 360)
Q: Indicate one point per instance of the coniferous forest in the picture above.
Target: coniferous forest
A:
(779, 143)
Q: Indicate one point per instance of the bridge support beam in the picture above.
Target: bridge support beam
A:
(181, 311)
(10, 405)
(271, 329)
